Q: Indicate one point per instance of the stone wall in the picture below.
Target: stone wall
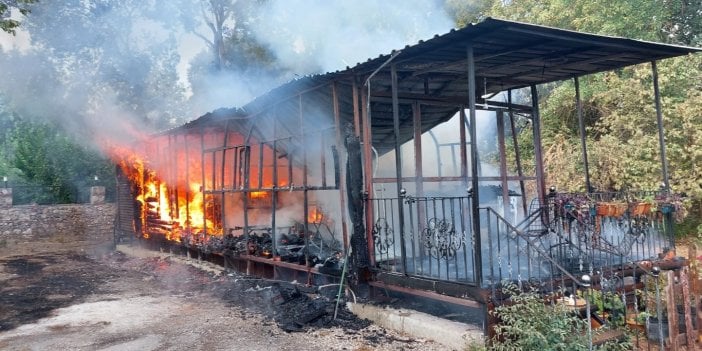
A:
(56, 223)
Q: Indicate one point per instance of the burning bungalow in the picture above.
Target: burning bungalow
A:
(384, 167)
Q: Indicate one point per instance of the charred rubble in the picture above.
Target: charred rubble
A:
(291, 247)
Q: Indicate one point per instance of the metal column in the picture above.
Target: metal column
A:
(581, 126)
(538, 156)
(398, 165)
(503, 164)
(475, 183)
(659, 120)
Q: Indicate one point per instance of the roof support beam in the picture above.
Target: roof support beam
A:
(456, 64)
(573, 38)
(566, 65)
(447, 100)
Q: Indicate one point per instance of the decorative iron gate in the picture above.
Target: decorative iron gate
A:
(434, 240)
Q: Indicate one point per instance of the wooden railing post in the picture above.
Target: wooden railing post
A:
(690, 334)
(673, 330)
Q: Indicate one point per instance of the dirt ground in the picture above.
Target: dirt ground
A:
(56, 298)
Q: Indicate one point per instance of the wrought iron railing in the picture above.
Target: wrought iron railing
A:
(433, 241)
(561, 239)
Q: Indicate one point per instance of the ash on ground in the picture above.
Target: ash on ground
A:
(293, 307)
(83, 300)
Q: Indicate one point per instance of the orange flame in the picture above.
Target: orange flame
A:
(168, 209)
(172, 204)
(315, 216)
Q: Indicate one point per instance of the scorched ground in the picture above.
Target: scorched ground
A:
(105, 300)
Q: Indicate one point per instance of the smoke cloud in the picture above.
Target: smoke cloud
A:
(110, 70)
(322, 36)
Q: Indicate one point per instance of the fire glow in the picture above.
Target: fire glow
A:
(164, 208)
(179, 206)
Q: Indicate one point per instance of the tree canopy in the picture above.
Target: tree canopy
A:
(619, 110)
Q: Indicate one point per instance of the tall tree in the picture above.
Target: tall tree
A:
(115, 56)
(236, 67)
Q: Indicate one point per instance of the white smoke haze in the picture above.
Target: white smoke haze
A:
(314, 36)
(110, 70)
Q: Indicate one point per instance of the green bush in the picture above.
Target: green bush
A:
(527, 323)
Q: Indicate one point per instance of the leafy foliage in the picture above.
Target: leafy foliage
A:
(527, 323)
(618, 107)
(39, 155)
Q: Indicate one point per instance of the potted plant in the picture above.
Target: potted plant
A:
(642, 207)
(611, 209)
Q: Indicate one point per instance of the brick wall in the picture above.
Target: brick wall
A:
(56, 223)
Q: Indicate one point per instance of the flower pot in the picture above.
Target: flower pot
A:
(667, 208)
(611, 209)
(640, 209)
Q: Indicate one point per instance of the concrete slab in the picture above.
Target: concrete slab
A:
(454, 335)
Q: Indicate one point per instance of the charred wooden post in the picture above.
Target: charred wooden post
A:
(672, 310)
(359, 259)
(335, 155)
(687, 310)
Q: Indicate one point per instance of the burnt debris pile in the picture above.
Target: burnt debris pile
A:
(294, 307)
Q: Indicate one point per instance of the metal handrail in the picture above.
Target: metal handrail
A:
(529, 241)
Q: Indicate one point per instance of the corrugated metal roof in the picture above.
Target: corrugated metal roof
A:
(507, 54)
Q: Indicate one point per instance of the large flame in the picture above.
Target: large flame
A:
(166, 208)
(174, 204)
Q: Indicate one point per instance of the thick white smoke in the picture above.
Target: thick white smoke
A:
(313, 36)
